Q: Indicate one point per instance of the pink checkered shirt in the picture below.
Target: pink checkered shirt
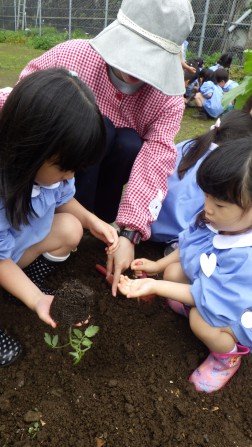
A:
(155, 116)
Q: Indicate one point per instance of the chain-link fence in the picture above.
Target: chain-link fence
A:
(221, 25)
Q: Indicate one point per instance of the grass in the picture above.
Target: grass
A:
(14, 57)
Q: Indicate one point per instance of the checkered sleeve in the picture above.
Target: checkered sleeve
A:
(147, 185)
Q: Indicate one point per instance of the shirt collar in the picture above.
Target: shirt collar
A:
(36, 188)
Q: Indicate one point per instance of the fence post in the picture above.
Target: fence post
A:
(203, 29)
(70, 20)
(106, 14)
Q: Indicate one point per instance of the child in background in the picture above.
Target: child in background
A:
(190, 79)
(193, 86)
(209, 98)
(185, 199)
(50, 126)
(225, 61)
(209, 276)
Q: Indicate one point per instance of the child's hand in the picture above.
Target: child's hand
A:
(144, 265)
(135, 288)
(106, 233)
(42, 307)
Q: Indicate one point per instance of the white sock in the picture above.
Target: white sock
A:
(55, 258)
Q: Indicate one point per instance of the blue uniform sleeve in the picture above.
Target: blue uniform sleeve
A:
(66, 192)
(7, 241)
(207, 88)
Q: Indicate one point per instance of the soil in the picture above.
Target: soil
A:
(130, 389)
(71, 303)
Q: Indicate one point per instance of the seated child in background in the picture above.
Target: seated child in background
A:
(208, 278)
(185, 199)
(190, 79)
(209, 98)
(193, 85)
(225, 61)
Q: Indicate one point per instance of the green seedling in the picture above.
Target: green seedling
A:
(33, 430)
(79, 341)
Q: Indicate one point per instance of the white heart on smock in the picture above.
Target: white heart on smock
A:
(208, 263)
(246, 319)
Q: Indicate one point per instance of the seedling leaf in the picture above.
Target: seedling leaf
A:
(78, 333)
(55, 341)
(86, 342)
(48, 338)
(91, 331)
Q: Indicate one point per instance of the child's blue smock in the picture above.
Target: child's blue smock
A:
(229, 85)
(222, 298)
(182, 203)
(212, 105)
(215, 67)
(13, 243)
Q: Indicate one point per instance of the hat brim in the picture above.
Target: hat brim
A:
(131, 53)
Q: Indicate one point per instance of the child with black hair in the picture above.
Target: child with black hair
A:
(50, 126)
(190, 79)
(224, 61)
(208, 277)
(209, 97)
(185, 199)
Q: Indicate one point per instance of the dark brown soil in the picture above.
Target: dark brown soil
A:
(131, 389)
(72, 303)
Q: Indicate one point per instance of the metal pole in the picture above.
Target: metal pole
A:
(40, 17)
(15, 14)
(70, 20)
(203, 29)
(106, 14)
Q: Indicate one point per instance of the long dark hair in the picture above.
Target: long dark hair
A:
(233, 125)
(226, 173)
(50, 113)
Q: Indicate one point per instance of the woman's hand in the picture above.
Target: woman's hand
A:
(119, 261)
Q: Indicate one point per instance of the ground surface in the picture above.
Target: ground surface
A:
(131, 387)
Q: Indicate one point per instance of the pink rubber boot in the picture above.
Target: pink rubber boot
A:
(178, 308)
(217, 370)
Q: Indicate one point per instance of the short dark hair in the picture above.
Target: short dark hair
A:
(49, 114)
(221, 75)
(226, 173)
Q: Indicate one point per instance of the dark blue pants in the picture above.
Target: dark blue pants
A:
(100, 187)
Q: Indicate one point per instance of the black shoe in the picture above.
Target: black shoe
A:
(200, 116)
(10, 350)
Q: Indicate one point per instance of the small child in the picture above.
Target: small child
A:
(50, 126)
(224, 61)
(209, 98)
(190, 79)
(208, 278)
(185, 199)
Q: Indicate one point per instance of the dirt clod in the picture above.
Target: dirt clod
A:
(71, 303)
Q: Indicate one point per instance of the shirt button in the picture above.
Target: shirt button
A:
(119, 96)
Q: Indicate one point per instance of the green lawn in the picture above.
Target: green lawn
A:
(14, 57)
